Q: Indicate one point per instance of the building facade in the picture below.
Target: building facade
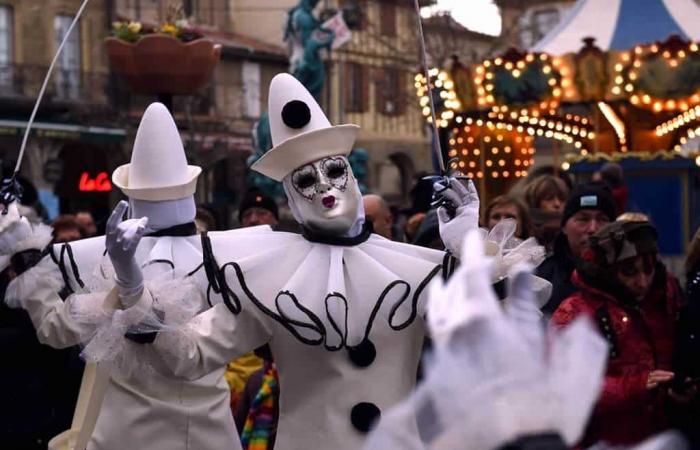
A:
(88, 118)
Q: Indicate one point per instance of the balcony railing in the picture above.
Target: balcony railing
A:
(22, 82)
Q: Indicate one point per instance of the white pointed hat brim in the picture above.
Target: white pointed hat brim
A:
(120, 178)
(306, 148)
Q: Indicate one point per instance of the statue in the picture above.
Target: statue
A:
(306, 37)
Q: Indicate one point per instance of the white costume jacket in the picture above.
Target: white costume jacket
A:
(344, 321)
(146, 409)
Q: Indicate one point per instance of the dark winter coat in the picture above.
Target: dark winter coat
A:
(557, 269)
(641, 340)
(38, 385)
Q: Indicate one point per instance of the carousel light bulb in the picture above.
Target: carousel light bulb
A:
(546, 69)
(480, 174)
(584, 152)
(515, 73)
(494, 174)
(565, 166)
(530, 57)
(693, 47)
(477, 152)
(489, 163)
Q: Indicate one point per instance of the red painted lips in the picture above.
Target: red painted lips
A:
(328, 201)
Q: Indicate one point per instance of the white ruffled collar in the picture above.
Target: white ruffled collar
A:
(325, 294)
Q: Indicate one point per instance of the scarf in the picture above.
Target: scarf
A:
(260, 420)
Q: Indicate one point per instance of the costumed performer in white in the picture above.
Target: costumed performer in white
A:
(340, 307)
(141, 409)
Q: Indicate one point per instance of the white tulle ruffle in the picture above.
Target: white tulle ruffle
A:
(508, 251)
(169, 308)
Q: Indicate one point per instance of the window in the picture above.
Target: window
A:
(68, 66)
(390, 90)
(132, 9)
(356, 87)
(251, 89)
(387, 17)
(6, 46)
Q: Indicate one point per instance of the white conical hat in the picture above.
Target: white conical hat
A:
(301, 133)
(158, 170)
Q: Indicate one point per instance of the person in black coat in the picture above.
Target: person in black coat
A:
(589, 207)
(40, 385)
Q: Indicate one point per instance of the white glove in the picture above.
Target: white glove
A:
(466, 202)
(122, 239)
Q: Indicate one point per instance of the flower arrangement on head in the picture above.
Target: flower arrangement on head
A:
(175, 25)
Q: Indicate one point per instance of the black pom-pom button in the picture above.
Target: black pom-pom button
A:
(296, 114)
(364, 416)
(363, 354)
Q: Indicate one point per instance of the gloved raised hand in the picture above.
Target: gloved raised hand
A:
(465, 201)
(10, 192)
(122, 239)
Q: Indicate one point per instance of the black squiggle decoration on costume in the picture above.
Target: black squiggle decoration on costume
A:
(342, 333)
(217, 277)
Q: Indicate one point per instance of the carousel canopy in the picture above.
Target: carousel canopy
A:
(622, 24)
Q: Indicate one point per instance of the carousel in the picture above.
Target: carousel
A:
(616, 80)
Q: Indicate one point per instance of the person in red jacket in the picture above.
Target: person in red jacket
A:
(627, 292)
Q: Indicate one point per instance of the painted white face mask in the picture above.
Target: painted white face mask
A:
(324, 196)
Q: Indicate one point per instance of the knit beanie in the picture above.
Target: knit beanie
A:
(256, 199)
(595, 195)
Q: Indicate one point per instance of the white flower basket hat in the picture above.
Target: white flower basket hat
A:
(301, 132)
(158, 170)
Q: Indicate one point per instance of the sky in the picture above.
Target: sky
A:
(477, 15)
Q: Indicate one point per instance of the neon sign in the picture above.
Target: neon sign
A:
(100, 183)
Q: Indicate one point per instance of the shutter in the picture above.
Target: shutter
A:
(380, 89)
(364, 85)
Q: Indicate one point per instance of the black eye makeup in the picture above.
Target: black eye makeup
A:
(336, 171)
(304, 181)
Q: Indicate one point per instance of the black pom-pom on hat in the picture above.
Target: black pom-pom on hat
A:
(296, 114)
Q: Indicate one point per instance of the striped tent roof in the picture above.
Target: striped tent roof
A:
(622, 24)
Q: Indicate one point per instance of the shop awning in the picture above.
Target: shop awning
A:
(62, 131)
